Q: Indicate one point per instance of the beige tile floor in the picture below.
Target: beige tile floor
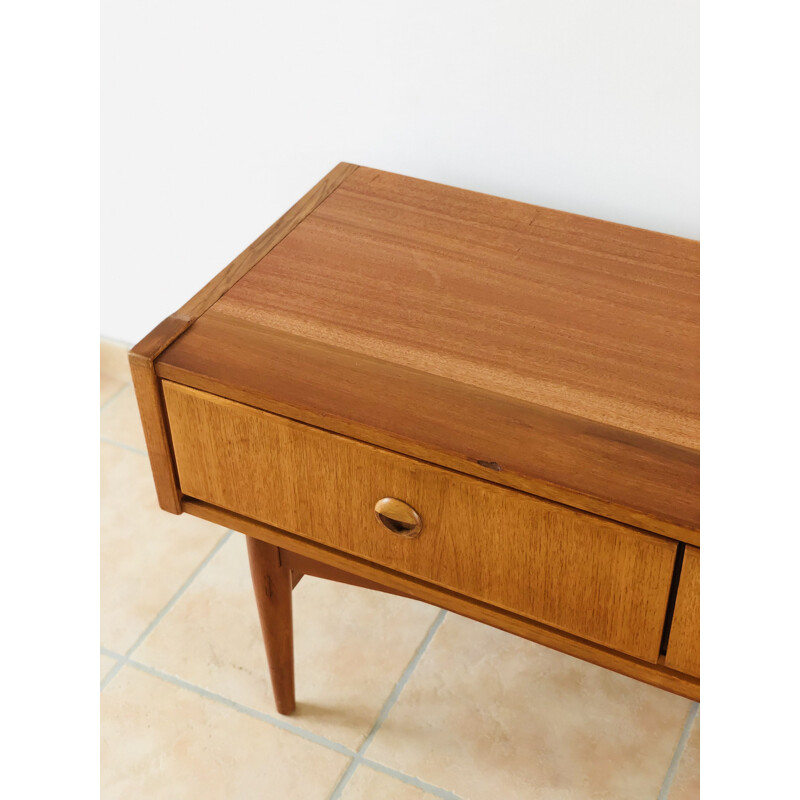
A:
(396, 699)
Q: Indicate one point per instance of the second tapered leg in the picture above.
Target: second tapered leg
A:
(272, 583)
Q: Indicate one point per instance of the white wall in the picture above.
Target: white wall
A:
(218, 116)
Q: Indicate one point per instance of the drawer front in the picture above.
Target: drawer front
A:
(683, 649)
(582, 574)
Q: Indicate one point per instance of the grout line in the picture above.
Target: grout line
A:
(401, 776)
(357, 757)
(161, 614)
(174, 599)
(401, 683)
(120, 662)
(251, 712)
(115, 395)
(676, 756)
(128, 447)
(322, 741)
(384, 713)
(345, 779)
(110, 674)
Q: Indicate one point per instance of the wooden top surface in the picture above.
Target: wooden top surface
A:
(547, 351)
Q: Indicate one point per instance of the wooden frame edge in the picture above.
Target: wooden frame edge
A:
(162, 336)
(143, 355)
(654, 674)
(151, 410)
(249, 257)
(303, 565)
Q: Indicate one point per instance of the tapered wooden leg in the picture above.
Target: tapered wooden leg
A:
(273, 587)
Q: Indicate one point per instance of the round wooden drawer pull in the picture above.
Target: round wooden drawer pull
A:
(398, 517)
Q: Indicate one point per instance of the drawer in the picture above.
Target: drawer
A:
(683, 649)
(591, 577)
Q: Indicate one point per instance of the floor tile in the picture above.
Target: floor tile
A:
(369, 784)
(488, 715)
(106, 662)
(686, 783)
(108, 388)
(120, 421)
(351, 645)
(146, 554)
(162, 741)
(114, 360)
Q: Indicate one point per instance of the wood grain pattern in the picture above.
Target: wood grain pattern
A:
(627, 477)
(272, 584)
(522, 348)
(248, 258)
(566, 328)
(580, 573)
(590, 319)
(654, 674)
(143, 354)
(166, 332)
(147, 388)
(302, 565)
(683, 650)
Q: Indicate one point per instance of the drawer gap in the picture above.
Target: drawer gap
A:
(673, 593)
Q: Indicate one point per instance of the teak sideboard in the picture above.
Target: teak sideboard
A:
(482, 404)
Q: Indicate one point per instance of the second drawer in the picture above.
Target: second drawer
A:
(591, 577)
